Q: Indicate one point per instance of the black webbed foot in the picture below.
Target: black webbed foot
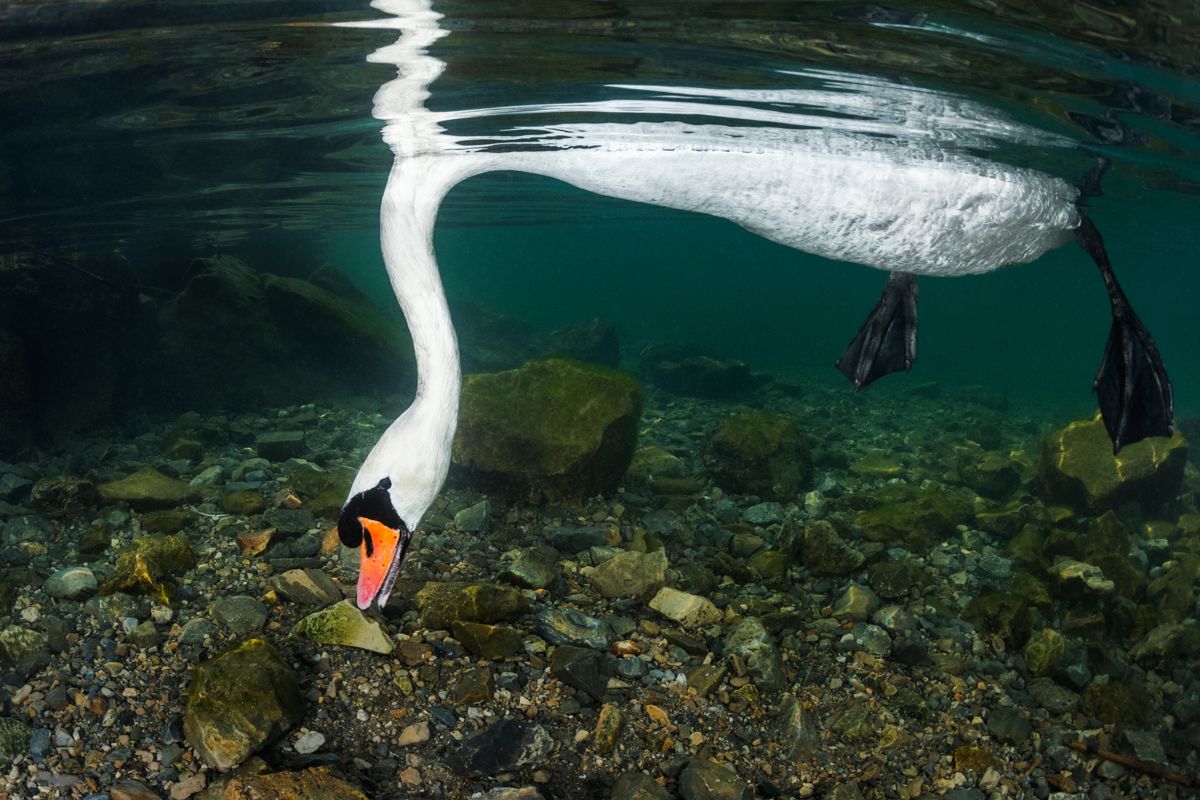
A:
(887, 341)
(1132, 387)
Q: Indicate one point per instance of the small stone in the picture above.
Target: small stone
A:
(1045, 652)
(567, 626)
(856, 604)
(1080, 579)
(573, 540)
(768, 513)
(504, 746)
(630, 574)
(280, 445)
(579, 668)
(495, 642)
(609, 725)
(254, 542)
(442, 604)
(1146, 746)
(71, 583)
(705, 678)
(532, 568)
(1008, 725)
(145, 490)
(309, 742)
(344, 624)
(241, 614)
(705, 780)
(689, 610)
(318, 783)
(749, 640)
(474, 686)
(132, 790)
(473, 519)
(309, 587)
(635, 785)
(243, 502)
(416, 733)
(824, 552)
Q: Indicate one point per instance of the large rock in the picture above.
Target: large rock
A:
(235, 337)
(145, 490)
(239, 702)
(758, 453)
(1078, 468)
(557, 425)
(344, 624)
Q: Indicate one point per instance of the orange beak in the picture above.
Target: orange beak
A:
(377, 552)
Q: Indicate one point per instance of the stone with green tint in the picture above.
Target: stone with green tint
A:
(1004, 614)
(495, 642)
(145, 566)
(877, 464)
(702, 779)
(474, 686)
(758, 453)
(561, 426)
(824, 552)
(146, 490)
(244, 502)
(769, 563)
(14, 738)
(323, 491)
(1045, 652)
(993, 475)
(169, 520)
(315, 783)
(1078, 468)
(1026, 548)
(442, 604)
(634, 785)
(892, 580)
(630, 574)
(931, 517)
(344, 624)
(1117, 703)
(239, 702)
(854, 725)
(750, 641)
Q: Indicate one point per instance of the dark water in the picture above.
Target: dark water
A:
(161, 132)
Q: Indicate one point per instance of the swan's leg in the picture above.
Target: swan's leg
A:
(1132, 386)
(887, 341)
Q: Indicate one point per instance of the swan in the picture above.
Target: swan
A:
(866, 191)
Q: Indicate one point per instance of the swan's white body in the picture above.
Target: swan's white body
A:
(885, 193)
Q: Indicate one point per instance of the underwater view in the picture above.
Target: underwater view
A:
(599, 399)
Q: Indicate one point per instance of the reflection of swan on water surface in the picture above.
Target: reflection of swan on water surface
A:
(879, 185)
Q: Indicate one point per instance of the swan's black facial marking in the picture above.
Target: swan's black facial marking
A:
(374, 504)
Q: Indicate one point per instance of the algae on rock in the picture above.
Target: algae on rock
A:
(758, 453)
(563, 427)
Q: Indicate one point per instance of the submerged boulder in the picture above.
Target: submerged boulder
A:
(235, 336)
(1078, 468)
(758, 453)
(239, 702)
(560, 426)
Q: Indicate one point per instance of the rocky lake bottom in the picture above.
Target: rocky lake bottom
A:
(797, 593)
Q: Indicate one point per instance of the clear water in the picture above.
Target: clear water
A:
(160, 132)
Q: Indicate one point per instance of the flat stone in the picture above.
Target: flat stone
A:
(532, 568)
(474, 686)
(630, 574)
(579, 668)
(1008, 725)
(474, 518)
(318, 783)
(562, 626)
(1146, 746)
(309, 742)
(146, 490)
(689, 610)
(344, 624)
(415, 733)
(856, 604)
(442, 604)
(504, 746)
(280, 445)
(241, 614)
(71, 583)
(634, 785)
(308, 587)
(573, 540)
(704, 780)
(495, 642)
(768, 513)
(240, 701)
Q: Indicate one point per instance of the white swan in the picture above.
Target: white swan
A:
(881, 189)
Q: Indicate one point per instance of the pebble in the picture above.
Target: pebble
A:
(309, 742)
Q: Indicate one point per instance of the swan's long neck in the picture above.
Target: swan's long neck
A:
(407, 217)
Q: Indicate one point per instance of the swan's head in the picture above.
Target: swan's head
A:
(370, 523)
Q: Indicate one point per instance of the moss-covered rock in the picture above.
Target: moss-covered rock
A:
(758, 453)
(145, 566)
(652, 462)
(240, 701)
(824, 552)
(323, 491)
(146, 490)
(14, 739)
(243, 502)
(343, 624)
(316, 783)
(877, 464)
(630, 574)
(991, 474)
(1026, 548)
(1078, 468)
(1004, 614)
(564, 427)
(893, 580)
(167, 520)
(769, 563)
(443, 604)
(495, 642)
(931, 516)
(1045, 652)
